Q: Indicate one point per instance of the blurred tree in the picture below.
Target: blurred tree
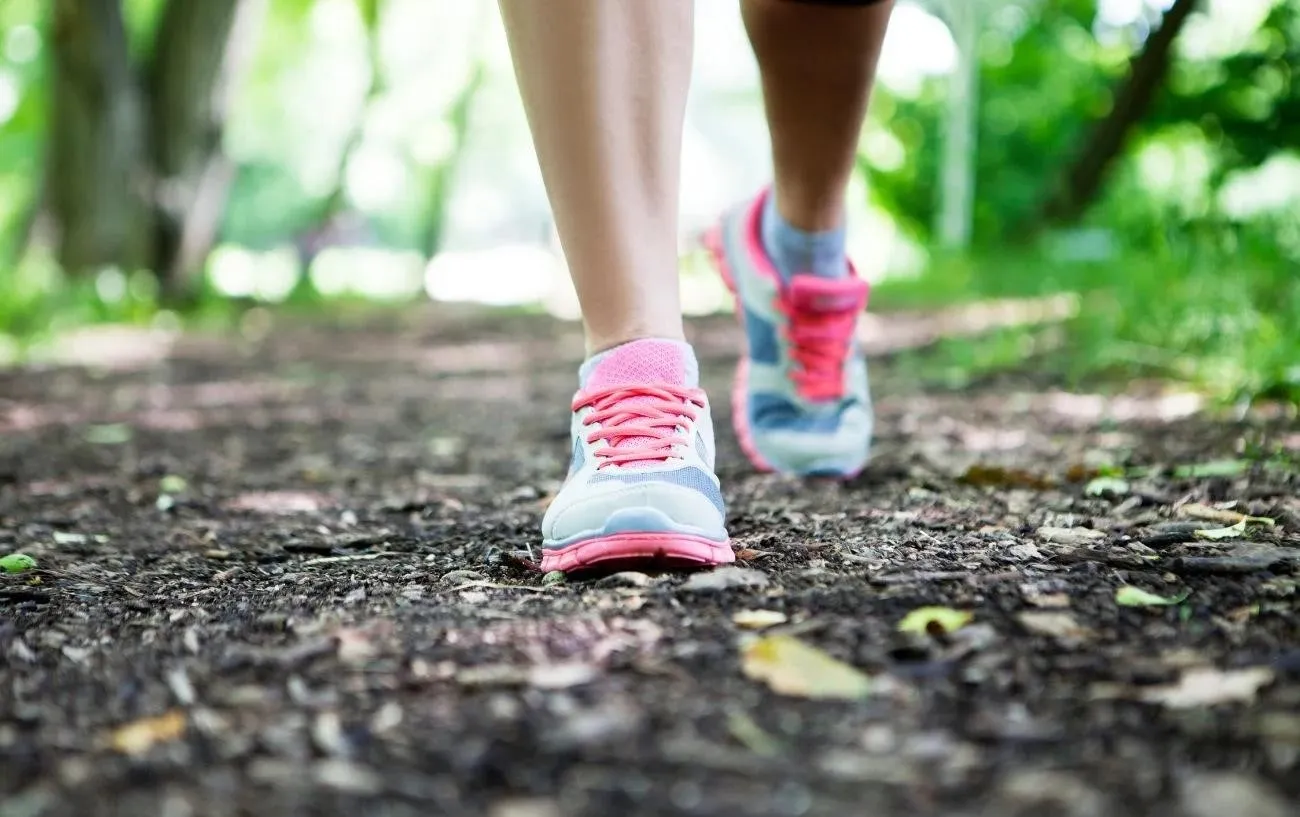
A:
(1248, 102)
(133, 170)
(1083, 179)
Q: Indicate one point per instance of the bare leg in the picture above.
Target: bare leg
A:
(604, 83)
(818, 64)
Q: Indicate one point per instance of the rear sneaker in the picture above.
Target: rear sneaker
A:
(641, 486)
(801, 403)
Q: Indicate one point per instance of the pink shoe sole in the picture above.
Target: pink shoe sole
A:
(670, 550)
(740, 384)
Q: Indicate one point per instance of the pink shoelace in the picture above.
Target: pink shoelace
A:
(641, 424)
(819, 343)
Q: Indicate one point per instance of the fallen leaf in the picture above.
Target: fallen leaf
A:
(993, 476)
(140, 736)
(934, 621)
(1231, 532)
(726, 578)
(1129, 596)
(1048, 600)
(17, 563)
(110, 434)
(172, 484)
(790, 667)
(758, 619)
(1206, 686)
(744, 729)
(66, 538)
(1057, 625)
(1106, 485)
(751, 555)
(1195, 510)
(1214, 468)
(1070, 536)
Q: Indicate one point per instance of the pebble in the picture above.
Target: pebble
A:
(1231, 793)
(726, 578)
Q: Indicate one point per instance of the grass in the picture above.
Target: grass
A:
(1222, 318)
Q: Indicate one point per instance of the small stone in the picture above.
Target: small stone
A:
(625, 579)
(525, 808)
(1025, 552)
(726, 578)
(1238, 794)
(1033, 792)
(458, 577)
(1077, 537)
(346, 776)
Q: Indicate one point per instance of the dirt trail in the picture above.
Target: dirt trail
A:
(290, 576)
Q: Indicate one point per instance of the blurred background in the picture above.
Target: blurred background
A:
(1128, 171)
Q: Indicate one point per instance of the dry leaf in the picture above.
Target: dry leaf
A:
(1053, 601)
(993, 476)
(790, 667)
(1129, 596)
(1230, 532)
(1070, 536)
(1056, 625)
(1206, 686)
(140, 736)
(1195, 510)
(758, 619)
(934, 621)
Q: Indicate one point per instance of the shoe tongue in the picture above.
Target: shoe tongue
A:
(808, 293)
(642, 363)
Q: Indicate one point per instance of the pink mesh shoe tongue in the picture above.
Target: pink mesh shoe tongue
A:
(809, 294)
(643, 363)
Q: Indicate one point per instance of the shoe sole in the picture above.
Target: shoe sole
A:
(714, 243)
(624, 550)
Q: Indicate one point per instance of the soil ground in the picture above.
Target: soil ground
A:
(291, 575)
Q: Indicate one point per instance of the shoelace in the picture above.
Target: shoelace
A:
(819, 344)
(639, 423)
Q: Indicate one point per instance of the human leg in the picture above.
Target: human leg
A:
(604, 84)
(801, 403)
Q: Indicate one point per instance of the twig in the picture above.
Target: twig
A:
(495, 586)
(357, 557)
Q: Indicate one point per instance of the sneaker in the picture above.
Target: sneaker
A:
(801, 404)
(641, 486)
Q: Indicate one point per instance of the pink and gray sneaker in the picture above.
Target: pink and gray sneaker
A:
(641, 486)
(801, 403)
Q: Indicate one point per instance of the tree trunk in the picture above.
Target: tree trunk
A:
(187, 82)
(1084, 179)
(97, 183)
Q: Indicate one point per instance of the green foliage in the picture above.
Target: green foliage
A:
(1169, 282)
(1218, 308)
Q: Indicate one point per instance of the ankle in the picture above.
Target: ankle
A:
(598, 343)
(795, 250)
(803, 210)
